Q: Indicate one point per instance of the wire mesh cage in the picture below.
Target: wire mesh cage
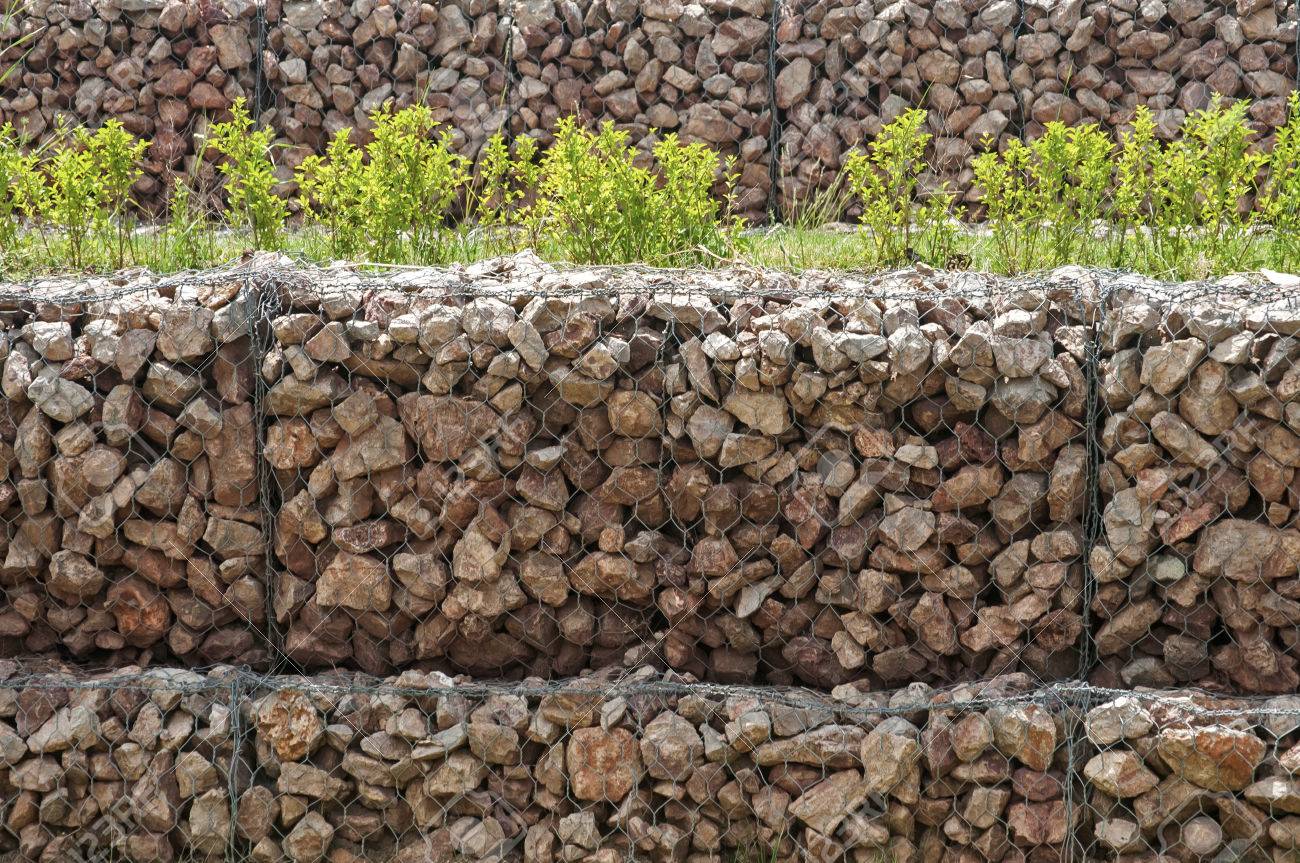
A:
(223, 764)
(538, 557)
(510, 469)
(122, 766)
(1195, 564)
(747, 483)
(1188, 776)
(132, 525)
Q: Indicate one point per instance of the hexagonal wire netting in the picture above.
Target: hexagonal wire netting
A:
(649, 477)
(541, 472)
(133, 519)
(226, 764)
(748, 477)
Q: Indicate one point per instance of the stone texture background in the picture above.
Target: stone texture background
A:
(787, 88)
(133, 525)
(170, 764)
(507, 470)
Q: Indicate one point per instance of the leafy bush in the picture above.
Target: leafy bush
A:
(595, 205)
(1043, 199)
(392, 201)
(897, 226)
(14, 164)
(251, 200)
(505, 182)
(1130, 213)
(1200, 181)
(1279, 202)
(82, 191)
(331, 190)
(1208, 202)
(115, 156)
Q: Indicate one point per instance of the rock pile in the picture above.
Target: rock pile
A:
(585, 773)
(846, 68)
(164, 69)
(131, 520)
(1191, 777)
(984, 71)
(128, 766)
(577, 469)
(700, 70)
(330, 64)
(1196, 567)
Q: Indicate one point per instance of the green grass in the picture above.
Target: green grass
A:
(1210, 202)
(831, 246)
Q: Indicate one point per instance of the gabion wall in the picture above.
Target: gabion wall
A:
(786, 87)
(180, 765)
(750, 477)
(511, 562)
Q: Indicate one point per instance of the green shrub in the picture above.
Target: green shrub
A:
(897, 226)
(330, 188)
(68, 200)
(504, 184)
(82, 191)
(115, 155)
(394, 200)
(1009, 204)
(1279, 201)
(14, 165)
(1199, 183)
(251, 201)
(1071, 170)
(1043, 199)
(1130, 211)
(593, 204)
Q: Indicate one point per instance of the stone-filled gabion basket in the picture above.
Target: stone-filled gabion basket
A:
(177, 765)
(1199, 433)
(1191, 776)
(649, 767)
(517, 562)
(798, 481)
(133, 524)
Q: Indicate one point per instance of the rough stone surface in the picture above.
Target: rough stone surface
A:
(584, 471)
(130, 498)
(1183, 748)
(322, 758)
(1199, 498)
